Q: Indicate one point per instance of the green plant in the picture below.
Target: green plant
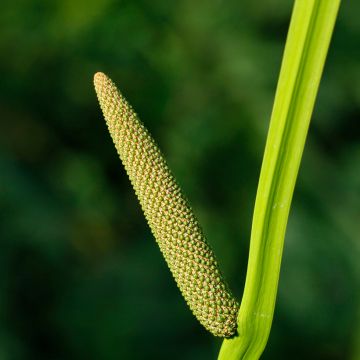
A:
(307, 44)
(174, 226)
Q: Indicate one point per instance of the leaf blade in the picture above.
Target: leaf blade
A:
(306, 48)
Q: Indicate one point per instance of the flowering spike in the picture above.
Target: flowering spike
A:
(169, 215)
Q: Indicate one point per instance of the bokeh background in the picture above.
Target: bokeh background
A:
(81, 276)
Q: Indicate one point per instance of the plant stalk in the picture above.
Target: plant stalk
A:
(308, 39)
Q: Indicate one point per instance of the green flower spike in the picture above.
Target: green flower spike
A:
(176, 230)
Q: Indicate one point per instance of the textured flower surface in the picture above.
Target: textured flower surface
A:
(169, 215)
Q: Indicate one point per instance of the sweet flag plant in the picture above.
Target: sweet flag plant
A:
(245, 327)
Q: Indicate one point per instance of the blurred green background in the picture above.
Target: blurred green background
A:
(81, 276)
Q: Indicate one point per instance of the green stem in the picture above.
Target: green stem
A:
(306, 48)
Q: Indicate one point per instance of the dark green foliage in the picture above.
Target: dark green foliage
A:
(203, 76)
